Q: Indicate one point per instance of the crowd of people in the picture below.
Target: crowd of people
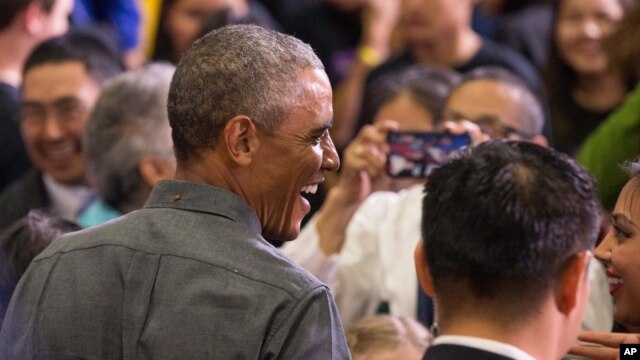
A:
(210, 179)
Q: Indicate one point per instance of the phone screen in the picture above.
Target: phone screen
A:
(416, 154)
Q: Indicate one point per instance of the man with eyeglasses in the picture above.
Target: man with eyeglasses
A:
(365, 255)
(499, 103)
(62, 80)
(23, 25)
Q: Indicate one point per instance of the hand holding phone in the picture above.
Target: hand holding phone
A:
(415, 154)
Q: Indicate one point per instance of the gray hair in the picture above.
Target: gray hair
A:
(532, 117)
(128, 122)
(235, 70)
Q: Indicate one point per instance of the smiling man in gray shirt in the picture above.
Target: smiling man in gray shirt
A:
(192, 275)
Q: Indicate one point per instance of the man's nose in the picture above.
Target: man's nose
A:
(330, 158)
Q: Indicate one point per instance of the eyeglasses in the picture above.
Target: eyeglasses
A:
(494, 127)
(65, 111)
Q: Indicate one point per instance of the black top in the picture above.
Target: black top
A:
(572, 123)
(457, 352)
(13, 159)
(22, 195)
(529, 32)
(333, 35)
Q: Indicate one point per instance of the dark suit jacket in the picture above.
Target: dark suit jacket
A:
(457, 352)
(24, 194)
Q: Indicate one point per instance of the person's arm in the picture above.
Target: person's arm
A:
(363, 171)
(605, 346)
(379, 17)
(310, 330)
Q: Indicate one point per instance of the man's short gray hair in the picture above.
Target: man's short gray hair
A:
(235, 70)
(128, 122)
(531, 117)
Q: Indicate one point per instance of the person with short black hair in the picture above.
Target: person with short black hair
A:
(192, 275)
(508, 229)
(23, 25)
(62, 80)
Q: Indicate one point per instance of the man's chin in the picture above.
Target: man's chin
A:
(68, 179)
(277, 238)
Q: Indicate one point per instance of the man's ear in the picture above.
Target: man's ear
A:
(33, 18)
(152, 169)
(422, 269)
(240, 136)
(573, 281)
(540, 140)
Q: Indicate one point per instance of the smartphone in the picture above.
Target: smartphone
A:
(416, 154)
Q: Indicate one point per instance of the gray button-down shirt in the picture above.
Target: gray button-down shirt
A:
(187, 277)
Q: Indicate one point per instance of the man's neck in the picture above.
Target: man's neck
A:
(600, 92)
(455, 52)
(210, 172)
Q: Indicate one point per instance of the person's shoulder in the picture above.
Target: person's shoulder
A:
(22, 195)
(492, 53)
(385, 199)
(8, 97)
(275, 270)
(393, 65)
(26, 183)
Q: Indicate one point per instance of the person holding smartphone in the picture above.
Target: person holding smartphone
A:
(361, 244)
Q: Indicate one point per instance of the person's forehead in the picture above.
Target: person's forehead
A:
(211, 5)
(407, 112)
(484, 97)
(628, 203)
(316, 90)
(613, 6)
(57, 78)
(313, 102)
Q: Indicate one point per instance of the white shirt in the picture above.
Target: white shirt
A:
(66, 200)
(376, 262)
(493, 346)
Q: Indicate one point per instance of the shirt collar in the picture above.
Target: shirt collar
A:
(66, 200)
(186, 195)
(493, 346)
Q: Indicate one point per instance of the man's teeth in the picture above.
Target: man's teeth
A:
(615, 281)
(61, 153)
(310, 189)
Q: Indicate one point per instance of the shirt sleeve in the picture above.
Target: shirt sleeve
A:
(305, 250)
(312, 330)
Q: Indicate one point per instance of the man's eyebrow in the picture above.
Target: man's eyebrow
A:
(59, 101)
(319, 130)
(622, 219)
(28, 103)
(66, 100)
